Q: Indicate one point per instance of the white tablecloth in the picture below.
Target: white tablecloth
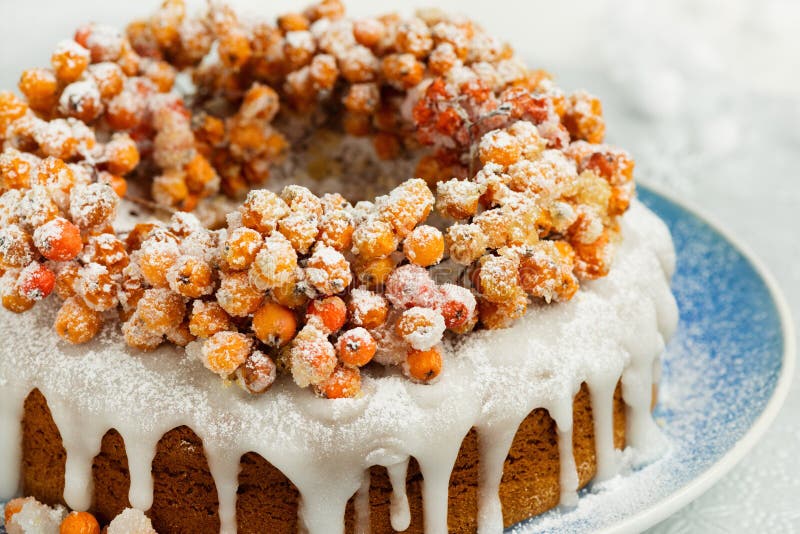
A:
(704, 94)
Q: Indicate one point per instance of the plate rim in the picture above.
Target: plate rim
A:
(673, 502)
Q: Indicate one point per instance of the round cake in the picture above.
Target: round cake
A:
(319, 275)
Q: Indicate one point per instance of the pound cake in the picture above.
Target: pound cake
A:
(316, 274)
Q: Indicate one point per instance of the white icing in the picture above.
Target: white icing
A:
(400, 513)
(361, 506)
(614, 327)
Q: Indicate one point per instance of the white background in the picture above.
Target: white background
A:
(705, 94)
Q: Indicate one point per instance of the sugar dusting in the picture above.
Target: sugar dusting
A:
(555, 348)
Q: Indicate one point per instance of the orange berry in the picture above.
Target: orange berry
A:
(81, 100)
(125, 111)
(158, 253)
(368, 31)
(344, 382)
(373, 273)
(498, 278)
(328, 271)
(336, 230)
(180, 335)
(201, 178)
(58, 179)
(500, 147)
(457, 306)
(191, 277)
(160, 310)
(208, 318)
(257, 374)
(122, 155)
(107, 250)
(109, 79)
(241, 248)
(312, 357)
(93, 205)
(406, 206)
(262, 210)
(69, 60)
(36, 282)
(117, 183)
(421, 327)
(234, 49)
(97, 287)
(403, 71)
(274, 324)
(424, 246)
(139, 233)
(356, 347)
(495, 315)
(79, 523)
(76, 322)
(237, 295)
(40, 88)
(275, 264)
(330, 311)
(11, 109)
(367, 309)
(161, 73)
(293, 22)
(292, 295)
(13, 301)
(300, 229)
(104, 43)
(357, 124)
(138, 335)
(16, 247)
(66, 280)
(15, 169)
(424, 365)
(374, 238)
(224, 352)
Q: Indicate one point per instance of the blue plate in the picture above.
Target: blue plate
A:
(725, 374)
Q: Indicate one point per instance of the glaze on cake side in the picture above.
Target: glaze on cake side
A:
(614, 330)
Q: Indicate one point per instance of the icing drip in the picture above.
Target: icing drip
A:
(141, 450)
(493, 446)
(569, 471)
(81, 448)
(224, 466)
(602, 397)
(614, 328)
(361, 505)
(436, 469)
(398, 506)
(12, 399)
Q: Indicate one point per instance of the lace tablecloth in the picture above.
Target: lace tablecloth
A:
(703, 93)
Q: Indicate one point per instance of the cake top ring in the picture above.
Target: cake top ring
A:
(514, 197)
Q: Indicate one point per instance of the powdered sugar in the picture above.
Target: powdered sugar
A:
(131, 521)
(312, 440)
(36, 518)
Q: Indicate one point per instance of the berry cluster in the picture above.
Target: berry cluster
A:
(517, 200)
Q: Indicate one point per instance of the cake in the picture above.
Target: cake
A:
(464, 351)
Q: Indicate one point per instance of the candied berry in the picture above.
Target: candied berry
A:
(330, 313)
(423, 365)
(76, 322)
(356, 347)
(274, 324)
